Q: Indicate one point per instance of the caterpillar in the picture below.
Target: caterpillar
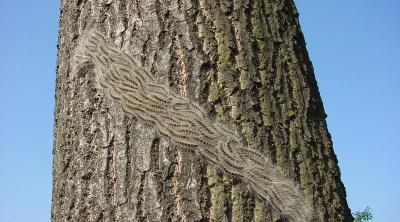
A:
(188, 126)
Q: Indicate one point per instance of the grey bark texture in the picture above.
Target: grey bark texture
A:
(244, 62)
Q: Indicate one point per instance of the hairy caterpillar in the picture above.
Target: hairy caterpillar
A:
(188, 126)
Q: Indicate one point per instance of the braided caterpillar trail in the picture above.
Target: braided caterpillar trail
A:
(188, 126)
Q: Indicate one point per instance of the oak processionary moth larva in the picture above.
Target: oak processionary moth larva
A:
(188, 126)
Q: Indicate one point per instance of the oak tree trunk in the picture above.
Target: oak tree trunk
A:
(244, 62)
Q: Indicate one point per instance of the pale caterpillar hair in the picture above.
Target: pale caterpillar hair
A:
(187, 126)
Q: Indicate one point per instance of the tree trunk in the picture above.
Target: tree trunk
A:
(246, 65)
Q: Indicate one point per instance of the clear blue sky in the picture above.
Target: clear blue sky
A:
(355, 49)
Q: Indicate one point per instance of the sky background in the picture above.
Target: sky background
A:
(355, 49)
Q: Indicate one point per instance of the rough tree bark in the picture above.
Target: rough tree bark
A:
(244, 61)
